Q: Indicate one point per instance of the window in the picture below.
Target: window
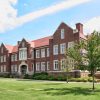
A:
(56, 65)
(15, 57)
(70, 63)
(62, 48)
(12, 57)
(55, 49)
(33, 54)
(42, 66)
(2, 50)
(22, 53)
(23, 44)
(47, 52)
(4, 58)
(3, 68)
(1, 58)
(70, 44)
(63, 64)
(42, 53)
(33, 67)
(14, 68)
(38, 66)
(62, 33)
(37, 53)
(48, 65)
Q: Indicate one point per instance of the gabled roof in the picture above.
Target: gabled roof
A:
(34, 44)
(15, 49)
(41, 42)
(9, 48)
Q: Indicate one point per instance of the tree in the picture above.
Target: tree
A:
(86, 53)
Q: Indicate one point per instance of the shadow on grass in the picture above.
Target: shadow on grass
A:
(73, 91)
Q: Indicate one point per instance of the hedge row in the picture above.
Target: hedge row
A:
(45, 76)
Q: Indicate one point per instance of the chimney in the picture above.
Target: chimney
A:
(19, 42)
(79, 26)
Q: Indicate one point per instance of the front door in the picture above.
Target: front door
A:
(23, 69)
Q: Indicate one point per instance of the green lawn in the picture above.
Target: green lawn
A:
(12, 89)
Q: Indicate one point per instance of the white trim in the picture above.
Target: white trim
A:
(19, 69)
(56, 65)
(55, 49)
(62, 33)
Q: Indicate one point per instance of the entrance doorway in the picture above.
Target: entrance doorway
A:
(23, 69)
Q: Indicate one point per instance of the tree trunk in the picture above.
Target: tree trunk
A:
(67, 75)
(93, 80)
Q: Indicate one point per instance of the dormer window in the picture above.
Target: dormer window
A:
(1, 50)
(23, 44)
(62, 33)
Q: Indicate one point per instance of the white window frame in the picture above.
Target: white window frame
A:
(63, 64)
(37, 66)
(43, 66)
(70, 44)
(33, 67)
(23, 54)
(4, 58)
(23, 44)
(14, 68)
(1, 58)
(1, 68)
(62, 48)
(56, 65)
(42, 53)
(48, 51)
(48, 65)
(2, 50)
(55, 49)
(15, 57)
(38, 53)
(62, 33)
(4, 68)
(12, 57)
(32, 54)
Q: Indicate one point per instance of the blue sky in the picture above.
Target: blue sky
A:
(15, 25)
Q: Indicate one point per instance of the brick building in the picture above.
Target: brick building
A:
(42, 55)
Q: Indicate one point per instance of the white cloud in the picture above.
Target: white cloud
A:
(92, 24)
(8, 14)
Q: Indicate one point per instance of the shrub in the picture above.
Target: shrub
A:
(40, 76)
(26, 76)
(61, 78)
(51, 78)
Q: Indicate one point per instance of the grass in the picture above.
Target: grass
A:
(12, 89)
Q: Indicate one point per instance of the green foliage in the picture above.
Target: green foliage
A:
(40, 76)
(5, 75)
(90, 58)
(27, 76)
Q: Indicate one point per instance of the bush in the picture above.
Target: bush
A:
(51, 78)
(26, 76)
(5, 75)
(61, 78)
(40, 76)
